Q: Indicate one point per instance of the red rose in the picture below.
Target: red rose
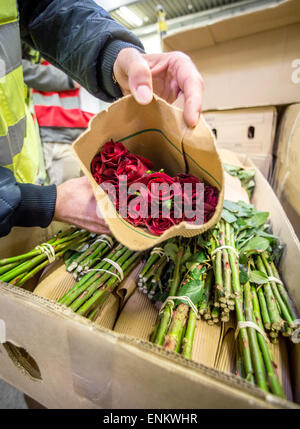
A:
(185, 179)
(158, 225)
(106, 175)
(161, 187)
(96, 164)
(112, 152)
(134, 167)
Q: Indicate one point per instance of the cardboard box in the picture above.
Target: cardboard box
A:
(286, 177)
(264, 163)
(249, 131)
(65, 361)
(247, 60)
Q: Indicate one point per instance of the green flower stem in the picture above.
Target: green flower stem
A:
(70, 258)
(166, 315)
(217, 265)
(154, 332)
(243, 336)
(100, 281)
(258, 363)
(273, 380)
(32, 253)
(100, 295)
(86, 254)
(226, 265)
(283, 292)
(203, 307)
(264, 308)
(270, 299)
(151, 272)
(151, 260)
(90, 277)
(8, 267)
(92, 258)
(164, 320)
(187, 342)
(44, 264)
(284, 309)
(174, 336)
(239, 363)
(20, 269)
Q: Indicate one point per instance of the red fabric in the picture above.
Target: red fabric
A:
(56, 116)
(61, 94)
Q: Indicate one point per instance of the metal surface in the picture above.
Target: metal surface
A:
(146, 9)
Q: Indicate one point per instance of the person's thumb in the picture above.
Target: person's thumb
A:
(140, 78)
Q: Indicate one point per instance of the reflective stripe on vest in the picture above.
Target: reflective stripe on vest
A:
(18, 147)
(60, 109)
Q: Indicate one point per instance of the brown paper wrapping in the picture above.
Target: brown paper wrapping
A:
(156, 131)
(138, 317)
(55, 281)
(206, 343)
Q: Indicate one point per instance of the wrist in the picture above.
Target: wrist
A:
(112, 50)
(36, 207)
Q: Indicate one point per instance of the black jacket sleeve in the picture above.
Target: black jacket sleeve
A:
(24, 204)
(80, 38)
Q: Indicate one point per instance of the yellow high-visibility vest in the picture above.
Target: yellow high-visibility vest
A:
(18, 144)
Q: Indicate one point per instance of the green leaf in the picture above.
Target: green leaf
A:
(187, 255)
(231, 169)
(202, 242)
(243, 259)
(228, 216)
(171, 250)
(199, 257)
(244, 278)
(193, 289)
(258, 220)
(231, 206)
(258, 277)
(256, 244)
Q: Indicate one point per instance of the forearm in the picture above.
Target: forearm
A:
(45, 78)
(78, 37)
(24, 204)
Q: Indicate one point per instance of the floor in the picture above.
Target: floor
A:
(11, 398)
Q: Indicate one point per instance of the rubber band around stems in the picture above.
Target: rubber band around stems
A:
(271, 279)
(275, 280)
(48, 250)
(159, 251)
(180, 298)
(116, 265)
(295, 337)
(249, 324)
(218, 249)
(119, 275)
(105, 239)
(104, 271)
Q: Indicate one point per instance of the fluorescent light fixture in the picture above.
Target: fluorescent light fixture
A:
(129, 16)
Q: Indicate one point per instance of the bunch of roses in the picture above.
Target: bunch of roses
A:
(162, 202)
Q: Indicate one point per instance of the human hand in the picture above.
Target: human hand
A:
(76, 204)
(167, 74)
(76, 84)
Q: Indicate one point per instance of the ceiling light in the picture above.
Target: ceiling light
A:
(129, 16)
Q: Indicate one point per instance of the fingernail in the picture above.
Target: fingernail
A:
(143, 94)
(196, 119)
